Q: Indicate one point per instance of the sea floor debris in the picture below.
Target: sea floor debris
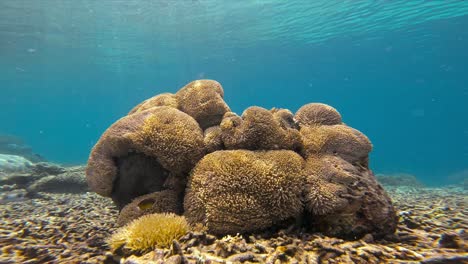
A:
(73, 228)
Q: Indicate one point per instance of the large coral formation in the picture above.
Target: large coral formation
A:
(241, 191)
(187, 153)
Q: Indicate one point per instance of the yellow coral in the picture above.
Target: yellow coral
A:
(149, 232)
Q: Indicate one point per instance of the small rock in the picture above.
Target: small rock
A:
(69, 182)
(368, 238)
(177, 259)
(261, 248)
(242, 257)
(14, 163)
(449, 241)
(290, 250)
(13, 196)
(222, 249)
(175, 248)
(209, 239)
(186, 237)
(408, 220)
(192, 243)
(446, 260)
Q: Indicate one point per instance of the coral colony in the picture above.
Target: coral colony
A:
(187, 154)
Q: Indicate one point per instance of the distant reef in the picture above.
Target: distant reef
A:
(13, 145)
(399, 179)
(21, 180)
(187, 153)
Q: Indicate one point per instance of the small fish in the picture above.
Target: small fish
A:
(146, 204)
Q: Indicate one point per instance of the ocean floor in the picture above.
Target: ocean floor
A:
(72, 228)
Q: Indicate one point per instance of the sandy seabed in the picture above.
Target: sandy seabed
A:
(72, 228)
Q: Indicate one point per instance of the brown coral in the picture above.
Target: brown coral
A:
(317, 114)
(167, 201)
(203, 100)
(326, 184)
(260, 129)
(213, 139)
(339, 140)
(164, 99)
(345, 200)
(285, 118)
(243, 191)
(246, 173)
(139, 151)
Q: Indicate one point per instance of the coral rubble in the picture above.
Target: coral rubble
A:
(75, 228)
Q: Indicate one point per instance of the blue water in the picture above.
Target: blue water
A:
(396, 70)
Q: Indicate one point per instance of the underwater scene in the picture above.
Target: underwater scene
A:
(204, 131)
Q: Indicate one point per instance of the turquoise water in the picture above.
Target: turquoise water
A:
(396, 70)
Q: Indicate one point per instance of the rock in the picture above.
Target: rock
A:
(174, 260)
(368, 238)
(408, 220)
(242, 257)
(176, 248)
(446, 260)
(13, 145)
(209, 239)
(448, 240)
(13, 196)
(46, 168)
(68, 182)
(43, 177)
(14, 164)
(19, 179)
